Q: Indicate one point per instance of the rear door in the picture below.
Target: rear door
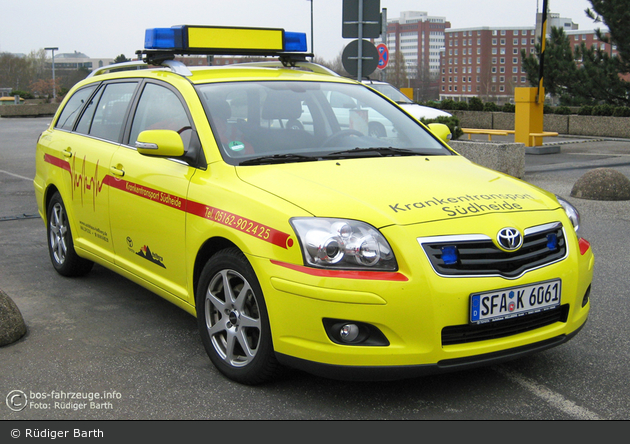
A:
(88, 150)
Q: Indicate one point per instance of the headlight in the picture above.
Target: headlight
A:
(343, 244)
(572, 213)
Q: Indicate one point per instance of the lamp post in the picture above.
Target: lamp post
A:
(53, 70)
(312, 44)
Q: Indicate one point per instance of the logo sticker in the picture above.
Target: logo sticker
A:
(145, 252)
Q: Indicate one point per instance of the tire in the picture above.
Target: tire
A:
(60, 245)
(234, 324)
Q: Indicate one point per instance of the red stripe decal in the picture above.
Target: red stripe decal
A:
(63, 164)
(345, 274)
(242, 224)
(239, 223)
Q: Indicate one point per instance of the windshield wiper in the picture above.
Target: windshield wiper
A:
(278, 158)
(378, 151)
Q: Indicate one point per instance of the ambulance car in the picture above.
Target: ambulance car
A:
(236, 194)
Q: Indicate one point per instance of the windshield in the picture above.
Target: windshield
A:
(391, 92)
(273, 122)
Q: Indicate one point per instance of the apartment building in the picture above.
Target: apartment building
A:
(590, 39)
(484, 62)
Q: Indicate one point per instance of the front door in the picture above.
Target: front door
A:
(148, 197)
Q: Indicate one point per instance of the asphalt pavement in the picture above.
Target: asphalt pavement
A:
(131, 355)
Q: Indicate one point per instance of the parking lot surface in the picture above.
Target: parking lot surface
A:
(100, 347)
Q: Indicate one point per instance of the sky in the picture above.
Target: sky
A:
(106, 29)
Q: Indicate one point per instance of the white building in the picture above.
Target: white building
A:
(76, 60)
(420, 38)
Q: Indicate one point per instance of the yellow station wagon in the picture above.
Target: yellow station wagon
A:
(305, 219)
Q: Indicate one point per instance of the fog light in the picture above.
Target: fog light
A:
(355, 333)
(349, 332)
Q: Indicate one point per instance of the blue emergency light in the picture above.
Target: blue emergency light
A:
(552, 241)
(450, 255)
(224, 40)
(164, 38)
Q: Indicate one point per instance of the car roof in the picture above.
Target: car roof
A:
(266, 70)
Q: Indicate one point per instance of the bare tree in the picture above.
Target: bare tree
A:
(336, 64)
(397, 71)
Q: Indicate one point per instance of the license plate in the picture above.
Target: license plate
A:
(516, 301)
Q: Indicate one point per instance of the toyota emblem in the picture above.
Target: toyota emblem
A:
(510, 239)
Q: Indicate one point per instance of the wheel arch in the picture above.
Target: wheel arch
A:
(210, 247)
(48, 194)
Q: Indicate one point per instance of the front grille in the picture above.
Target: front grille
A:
(477, 255)
(461, 334)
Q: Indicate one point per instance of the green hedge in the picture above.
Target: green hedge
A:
(476, 104)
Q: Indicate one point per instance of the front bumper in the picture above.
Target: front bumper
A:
(392, 373)
(414, 309)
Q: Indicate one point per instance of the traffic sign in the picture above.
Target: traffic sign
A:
(350, 58)
(371, 25)
(383, 56)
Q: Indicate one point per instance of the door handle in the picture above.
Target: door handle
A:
(118, 170)
(67, 152)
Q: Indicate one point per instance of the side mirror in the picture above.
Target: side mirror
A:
(442, 131)
(160, 143)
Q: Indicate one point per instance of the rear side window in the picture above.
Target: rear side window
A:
(104, 117)
(73, 108)
(85, 122)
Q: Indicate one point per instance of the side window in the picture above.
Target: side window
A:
(73, 108)
(160, 108)
(83, 126)
(109, 112)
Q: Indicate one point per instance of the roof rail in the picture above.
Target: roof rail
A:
(314, 67)
(174, 65)
(177, 67)
(136, 64)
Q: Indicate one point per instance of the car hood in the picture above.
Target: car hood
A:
(397, 190)
(423, 112)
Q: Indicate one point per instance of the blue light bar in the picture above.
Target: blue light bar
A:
(217, 40)
(295, 41)
(164, 38)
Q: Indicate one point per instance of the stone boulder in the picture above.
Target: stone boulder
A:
(12, 325)
(602, 184)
